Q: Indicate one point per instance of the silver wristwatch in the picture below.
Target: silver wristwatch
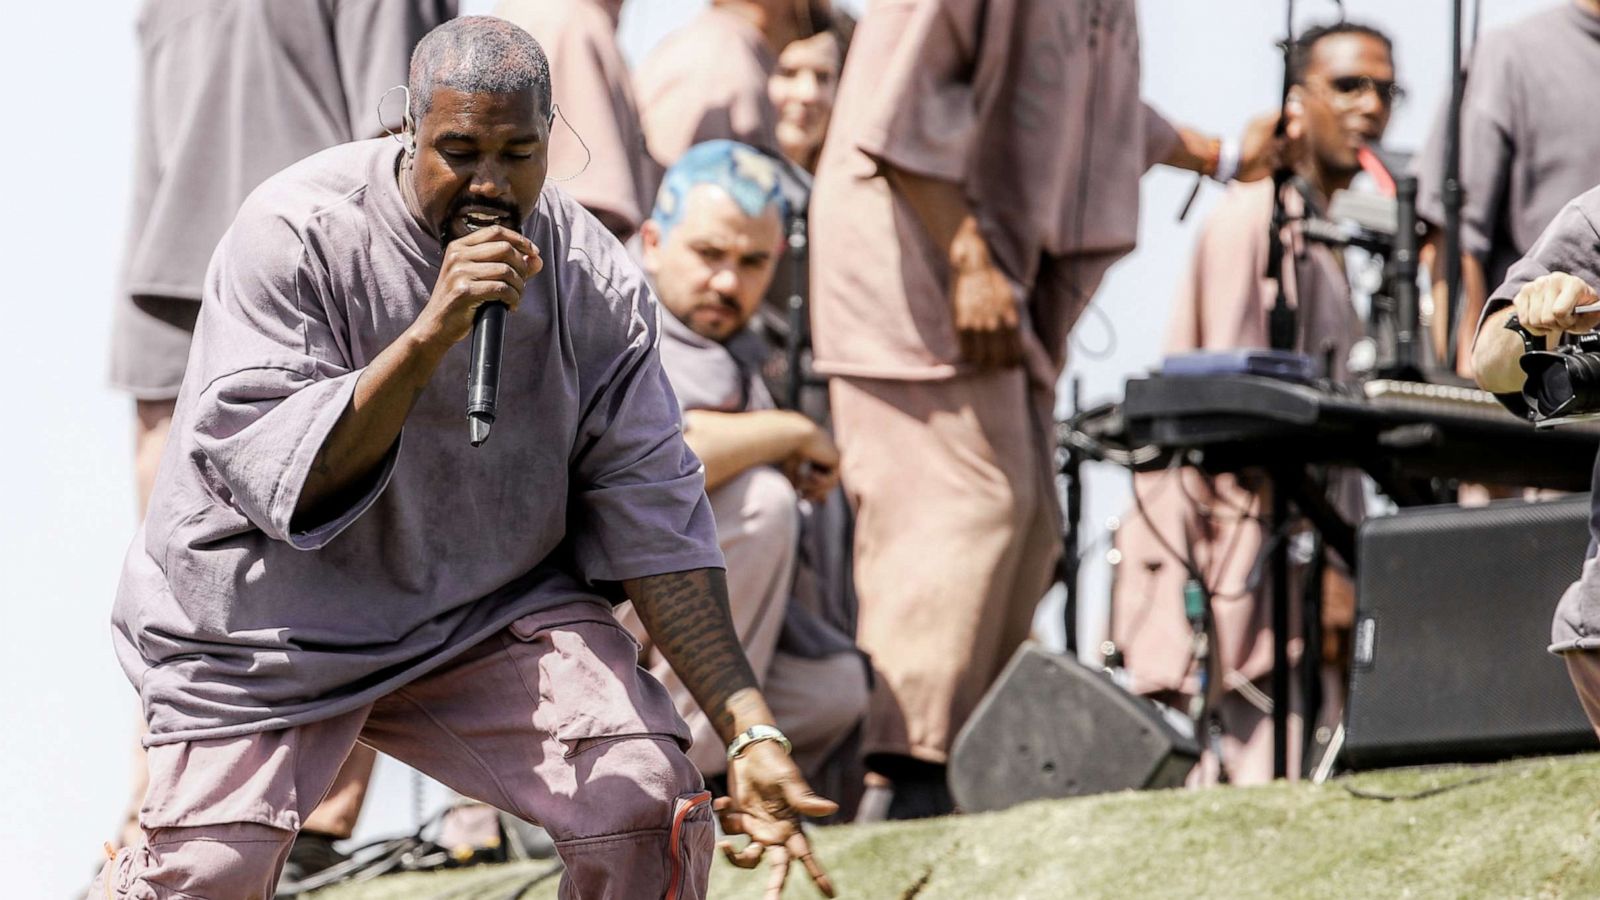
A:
(756, 733)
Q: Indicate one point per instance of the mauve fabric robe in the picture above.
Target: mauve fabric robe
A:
(1033, 108)
(1222, 304)
(705, 81)
(1529, 122)
(231, 91)
(231, 619)
(597, 147)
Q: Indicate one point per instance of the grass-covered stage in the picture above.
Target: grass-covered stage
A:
(1529, 828)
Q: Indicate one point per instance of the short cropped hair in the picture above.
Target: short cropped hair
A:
(744, 173)
(1300, 52)
(477, 55)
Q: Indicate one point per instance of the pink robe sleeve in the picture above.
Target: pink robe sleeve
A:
(924, 117)
(1218, 303)
(713, 103)
(1160, 136)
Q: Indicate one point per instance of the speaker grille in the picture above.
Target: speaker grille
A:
(1452, 623)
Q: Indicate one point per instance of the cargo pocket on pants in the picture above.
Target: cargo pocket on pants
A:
(590, 687)
(689, 846)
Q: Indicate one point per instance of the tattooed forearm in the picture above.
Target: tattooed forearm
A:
(686, 614)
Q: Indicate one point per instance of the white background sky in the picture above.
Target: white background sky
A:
(66, 491)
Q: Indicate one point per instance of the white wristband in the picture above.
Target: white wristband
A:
(1227, 161)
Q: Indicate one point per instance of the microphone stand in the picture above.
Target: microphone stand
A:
(1452, 194)
(1402, 270)
(1281, 331)
(1281, 325)
(1070, 470)
(795, 342)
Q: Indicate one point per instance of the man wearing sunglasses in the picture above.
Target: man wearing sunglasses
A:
(1343, 90)
(1527, 147)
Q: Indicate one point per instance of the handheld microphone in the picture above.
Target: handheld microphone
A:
(483, 373)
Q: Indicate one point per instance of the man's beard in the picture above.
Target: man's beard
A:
(716, 319)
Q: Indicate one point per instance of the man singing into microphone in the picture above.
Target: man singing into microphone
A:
(327, 561)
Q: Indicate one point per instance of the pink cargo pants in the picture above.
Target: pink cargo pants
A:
(551, 720)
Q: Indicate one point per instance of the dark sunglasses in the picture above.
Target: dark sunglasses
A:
(1352, 86)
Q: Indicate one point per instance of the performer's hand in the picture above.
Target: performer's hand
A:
(1545, 305)
(1261, 150)
(768, 797)
(490, 264)
(984, 304)
(813, 468)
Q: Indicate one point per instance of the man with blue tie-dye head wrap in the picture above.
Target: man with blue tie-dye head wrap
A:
(710, 248)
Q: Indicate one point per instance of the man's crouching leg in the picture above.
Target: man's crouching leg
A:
(221, 814)
(234, 859)
(553, 721)
(1584, 668)
(648, 824)
(615, 789)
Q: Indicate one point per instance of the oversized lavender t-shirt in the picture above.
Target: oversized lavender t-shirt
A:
(228, 620)
(1529, 122)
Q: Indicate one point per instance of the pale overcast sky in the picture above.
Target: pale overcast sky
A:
(66, 712)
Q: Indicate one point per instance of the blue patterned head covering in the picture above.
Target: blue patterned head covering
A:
(744, 173)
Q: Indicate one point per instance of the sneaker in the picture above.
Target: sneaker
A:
(310, 854)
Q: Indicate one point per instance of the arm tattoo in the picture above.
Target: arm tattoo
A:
(686, 614)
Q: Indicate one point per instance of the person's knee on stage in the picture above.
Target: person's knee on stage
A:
(763, 516)
(230, 859)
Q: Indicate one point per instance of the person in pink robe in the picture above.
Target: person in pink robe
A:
(1218, 520)
(597, 146)
(980, 175)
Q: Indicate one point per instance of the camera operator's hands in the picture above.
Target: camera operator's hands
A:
(1547, 305)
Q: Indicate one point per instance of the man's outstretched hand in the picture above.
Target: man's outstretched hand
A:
(768, 798)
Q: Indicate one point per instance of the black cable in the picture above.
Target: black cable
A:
(1435, 791)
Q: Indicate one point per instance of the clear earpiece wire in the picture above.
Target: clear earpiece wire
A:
(402, 135)
(588, 157)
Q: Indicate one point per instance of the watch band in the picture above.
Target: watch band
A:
(1531, 343)
(757, 733)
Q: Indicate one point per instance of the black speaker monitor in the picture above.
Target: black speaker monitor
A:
(1452, 625)
(1052, 727)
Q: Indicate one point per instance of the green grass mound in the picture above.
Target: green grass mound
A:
(1519, 829)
